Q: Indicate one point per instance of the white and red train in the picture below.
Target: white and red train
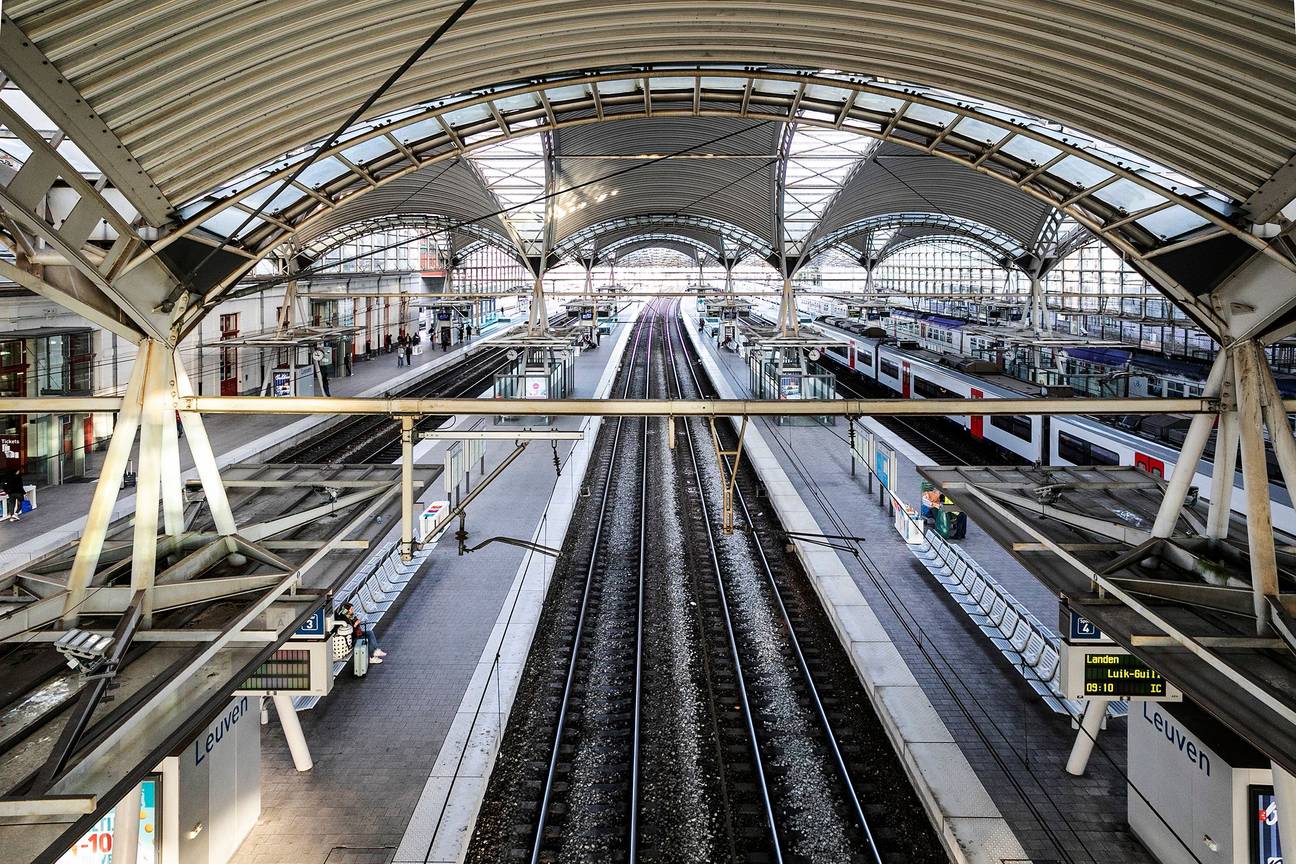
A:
(916, 373)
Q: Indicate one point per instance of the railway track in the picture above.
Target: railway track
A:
(679, 704)
(376, 440)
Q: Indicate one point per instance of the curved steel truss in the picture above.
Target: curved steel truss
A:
(998, 243)
(429, 224)
(1140, 208)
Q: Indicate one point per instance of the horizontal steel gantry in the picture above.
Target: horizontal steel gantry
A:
(398, 407)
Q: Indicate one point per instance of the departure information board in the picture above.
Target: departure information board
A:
(1111, 672)
(1121, 676)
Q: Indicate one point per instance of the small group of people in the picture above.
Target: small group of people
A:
(11, 483)
(405, 349)
(349, 617)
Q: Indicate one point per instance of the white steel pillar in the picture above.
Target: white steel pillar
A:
(1090, 724)
(172, 490)
(1189, 456)
(297, 745)
(204, 458)
(126, 821)
(788, 322)
(538, 317)
(1223, 471)
(149, 480)
(407, 489)
(108, 487)
(1248, 374)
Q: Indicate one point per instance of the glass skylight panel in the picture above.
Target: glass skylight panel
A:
(567, 93)
(818, 163)
(1079, 172)
(464, 116)
(228, 220)
(979, 130)
(619, 85)
(367, 151)
(514, 171)
(517, 102)
(418, 131)
(1172, 221)
(928, 114)
(663, 84)
(14, 148)
(1029, 150)
(730, 84)
(1128, 196)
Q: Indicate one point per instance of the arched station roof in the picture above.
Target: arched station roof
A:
(1172, 148)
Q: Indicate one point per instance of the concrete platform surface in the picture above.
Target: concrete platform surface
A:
(378, 741)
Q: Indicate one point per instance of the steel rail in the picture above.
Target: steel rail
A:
(633, 855)
(551, 774)
(766, 803)
(829, 734)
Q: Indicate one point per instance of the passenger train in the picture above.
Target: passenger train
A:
(918, 373)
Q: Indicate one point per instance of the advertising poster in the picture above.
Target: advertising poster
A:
(96, 846)
(1265, 847)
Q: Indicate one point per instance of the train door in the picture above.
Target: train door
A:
(850, 354)
(1044, 447)
(904, 380)
(229, 380)
(1155, 467)
(977, 420)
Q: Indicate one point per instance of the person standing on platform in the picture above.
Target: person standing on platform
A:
(445, 338)
(400, 351)
(409, 353)
(346, 362)
(13, 487)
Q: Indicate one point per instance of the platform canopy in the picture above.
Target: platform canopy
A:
(1165, 129)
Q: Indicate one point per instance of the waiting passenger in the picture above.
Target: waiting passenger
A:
(360, 631)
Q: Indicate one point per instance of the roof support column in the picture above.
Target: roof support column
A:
(108, 487)
(156, 381)
(148, 482)
(1189, 455)
(1249, 369)
(788, 322)
(538, 315)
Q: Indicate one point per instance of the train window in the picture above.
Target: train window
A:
(886, 367)
(863, 358)
(1102, 456)
(1080, 452)
(1072, 449)
(931, 390)
(1017, 426)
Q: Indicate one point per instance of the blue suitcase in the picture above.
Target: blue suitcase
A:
(360, 657)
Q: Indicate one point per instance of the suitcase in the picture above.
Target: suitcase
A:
(360, 658)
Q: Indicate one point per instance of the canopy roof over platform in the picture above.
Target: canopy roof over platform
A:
(1087, 534)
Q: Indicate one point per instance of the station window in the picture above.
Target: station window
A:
(931, 390)
(1015, 425)
(886, 367)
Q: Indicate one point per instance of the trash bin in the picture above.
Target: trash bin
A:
(950, 523)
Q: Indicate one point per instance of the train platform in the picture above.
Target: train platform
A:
(61, 511)
(388, 747)
(1016, 745)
